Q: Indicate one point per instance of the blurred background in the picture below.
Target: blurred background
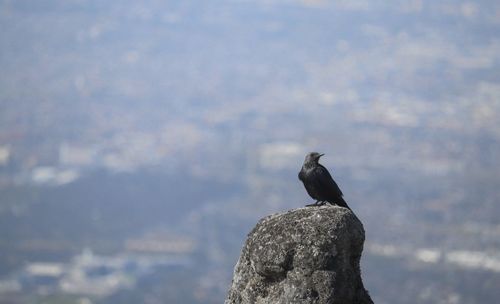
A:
(140, 141)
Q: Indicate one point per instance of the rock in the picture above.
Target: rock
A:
(306, 255)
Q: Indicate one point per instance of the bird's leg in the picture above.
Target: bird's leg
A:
(315, 204)
(322, 203)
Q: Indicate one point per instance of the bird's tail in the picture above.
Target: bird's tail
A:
(342, 203)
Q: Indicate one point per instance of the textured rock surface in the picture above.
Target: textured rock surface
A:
(306, 255)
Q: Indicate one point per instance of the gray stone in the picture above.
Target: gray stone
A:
(306, 255)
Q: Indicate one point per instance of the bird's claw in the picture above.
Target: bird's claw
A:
(317, 204)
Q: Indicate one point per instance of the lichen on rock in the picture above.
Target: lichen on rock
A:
(306, 255)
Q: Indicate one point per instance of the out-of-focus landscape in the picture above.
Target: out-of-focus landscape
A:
(140, 141)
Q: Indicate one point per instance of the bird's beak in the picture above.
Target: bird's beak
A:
(321, 155)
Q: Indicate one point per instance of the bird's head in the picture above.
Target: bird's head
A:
(312, 157)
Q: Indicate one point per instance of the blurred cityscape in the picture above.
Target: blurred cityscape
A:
(141, 141)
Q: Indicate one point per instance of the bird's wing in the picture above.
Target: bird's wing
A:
(325, 181)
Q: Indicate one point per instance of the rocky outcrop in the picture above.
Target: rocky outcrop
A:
(306, 255)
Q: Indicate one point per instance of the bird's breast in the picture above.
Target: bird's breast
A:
(301, 175)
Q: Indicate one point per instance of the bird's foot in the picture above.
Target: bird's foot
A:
(316, 204)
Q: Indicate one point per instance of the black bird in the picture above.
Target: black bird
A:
(319, 183)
